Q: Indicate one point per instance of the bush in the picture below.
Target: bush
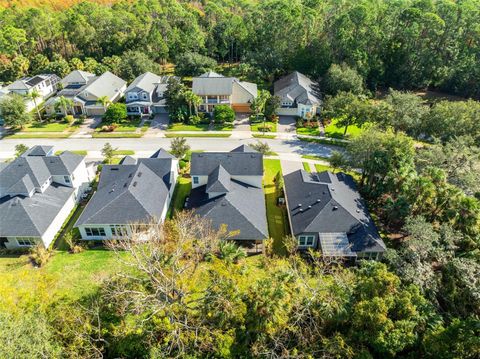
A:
(194, 120)
(116, 112)
(39, 255)
(182, 164)
(69, 119)
(274, 118)
(204, 118)
(223, 113)
(266, 127)
(299, 123)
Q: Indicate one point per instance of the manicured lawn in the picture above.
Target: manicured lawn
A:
(123, 152)
(311, 131)
(268, 137)
(332, 130)
(171, 135)
(67, 276)
(78, 152)
(200, 127)
(116, 135)
(306, 166)
(257, 126)
(49, 127)
(276, 216)
(123, 126)
(180, 194)
(313, 157)
(40, 135)
(321, 168)
(324, 141)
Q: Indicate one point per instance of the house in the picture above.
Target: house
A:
(132, 192)
(297, 96)
(38, 190)
(145, 94)
(44, 84)
(326, 212)
(84, 90)
(215, 89)
(227, 189)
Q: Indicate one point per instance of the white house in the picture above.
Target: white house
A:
(38, 190)
(145, 95)
(84, 90)
(44, 84)
(215, 89)
(297, 96)
(136, 191)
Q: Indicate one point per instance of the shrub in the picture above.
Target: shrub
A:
(182, 164)
(299, 123)
(69, 119)
(274, 118)
(194, 120)
(73, 247)
(116, 112)
(266, 127)
(204, 118)
(39, 255)
(223, 113)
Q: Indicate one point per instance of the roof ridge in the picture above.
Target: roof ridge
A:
(246, 218)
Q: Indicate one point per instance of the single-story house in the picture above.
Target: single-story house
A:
(85, 90)
(297, 96)
(215, 89)
(145, 95)
(38, 190)
(136, 191)
(326, 212)
(227, 189)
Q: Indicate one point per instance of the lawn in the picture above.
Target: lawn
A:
(310, 131)
(78, 152)
(127, 125)
(123, 152)
(276, 216)
(172, 135)
(257, 126)
(40, 135)
(268, 137)
(180, 194)
(324, 141)
(116, 135)
(332, 130)
(200, 127)
(48, 127)
(313, 157)
(306, 166)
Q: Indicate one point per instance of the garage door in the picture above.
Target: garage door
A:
(159, 109)
(241, 107)
(95, 111)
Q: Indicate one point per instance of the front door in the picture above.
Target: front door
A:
(78, 110)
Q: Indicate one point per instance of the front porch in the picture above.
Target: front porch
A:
(138, 109)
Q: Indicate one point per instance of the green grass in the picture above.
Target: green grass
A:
(180, 194)
(78, 152)
(171, 135)
(311, 131)
(257, 126)
(116, 135)
(324, 141)
(313, 157)
(268, 137)
(59, 242)
(200, 127)
(276, 216)
(123, 152)
(39, 135)
(306, 166)
(49, 127)
(123, 126)
(332, 130)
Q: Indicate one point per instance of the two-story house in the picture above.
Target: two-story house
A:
(297, 96)
(326, 212)
(215, 89)
(145, 95)
(38, 190)
(44, 84)
(84, 90)
(227, 189)
(134, 192)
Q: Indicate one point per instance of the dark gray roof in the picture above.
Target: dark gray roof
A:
(23, 186)
(129, 193)
(211, 83)
(243, 148)
(38, 151)
(128, 160)
(235, 163)
(161, 153)
(242, 209)
(330, 203)
(31, 216)
(145, 82)
(218, 181)
(297, 88)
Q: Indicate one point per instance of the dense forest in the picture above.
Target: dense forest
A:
(401, 44)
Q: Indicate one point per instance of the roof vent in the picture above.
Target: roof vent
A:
(358, 211)
(318, 200)
(299, 205)
(139, 174)
(130, 175)
(335, 208)
(114, 169)
(309, 207)
(125, 185)
(301, 210)
(135, 184)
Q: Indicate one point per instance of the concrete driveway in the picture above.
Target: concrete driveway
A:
(286, 124)
(290, 166)
(241, 122)
(159, 123)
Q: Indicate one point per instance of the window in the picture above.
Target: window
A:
(144, 95)
(67, 179)
(306, 241)
(94, 232)
(26, 241)
(118, 231)
(195, 180)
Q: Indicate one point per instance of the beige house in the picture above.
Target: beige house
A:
(215, 89)
(85, 89)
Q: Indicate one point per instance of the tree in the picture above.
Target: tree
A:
(279, 183)
(135, 63)
(262, 147)
(347, 108)
(179, 147)
(175, 98)
(20, 149)
(223, 113)
(64, 103)
(337, 160)
(108, 152)
(272, 105)
(115, 113)
(104, 101)
(230, 252)
(193, 64)
(14, 111)
(341, 78)
(34, 95)
(192, 100)
(76, 64)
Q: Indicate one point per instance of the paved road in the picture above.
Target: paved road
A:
(284, 147)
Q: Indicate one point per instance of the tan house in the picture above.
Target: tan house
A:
(85, 89)
(216, 89)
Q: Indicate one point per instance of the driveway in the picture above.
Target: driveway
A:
(286, 124)
(159, 123)
(290, 166)
(88, 126)
(241, 122)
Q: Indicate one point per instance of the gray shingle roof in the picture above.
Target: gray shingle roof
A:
(77, 76)
(145, 82)
(161, 153)
(330, 203)
(244, 148)
(296, 87)
(38, 151)
(235, 163)
(218, 181)
(212, 83)
(23, 186)
(107, 84)
(31, 216)
(129, 193)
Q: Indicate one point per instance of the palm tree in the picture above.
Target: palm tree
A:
(230, 252)
(34, 95)
(64, 103)
(104, 101)
(196, 101)
(191, 100)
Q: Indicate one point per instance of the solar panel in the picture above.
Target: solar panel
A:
(335, 245)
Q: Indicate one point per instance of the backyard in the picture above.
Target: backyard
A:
(180, 194)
